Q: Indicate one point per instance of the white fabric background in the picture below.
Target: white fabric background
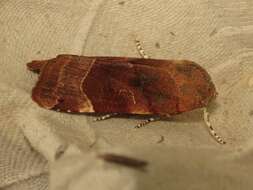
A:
(217, 34)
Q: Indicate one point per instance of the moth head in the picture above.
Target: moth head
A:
(36, 66)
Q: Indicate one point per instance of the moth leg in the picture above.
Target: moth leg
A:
(151, 119)
(211, 130)
(104, 117)
(141, 50)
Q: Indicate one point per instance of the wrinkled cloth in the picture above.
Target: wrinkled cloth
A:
(42, 149)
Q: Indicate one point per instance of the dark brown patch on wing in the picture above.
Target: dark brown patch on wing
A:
(158, 88)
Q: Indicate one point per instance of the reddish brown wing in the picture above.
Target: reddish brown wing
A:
(59, 84)
(122, 85)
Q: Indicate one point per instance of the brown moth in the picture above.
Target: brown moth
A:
(82, 84)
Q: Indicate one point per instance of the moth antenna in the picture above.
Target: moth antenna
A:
(141, 50)
(146, 122)
(104, 117)
(211, 130)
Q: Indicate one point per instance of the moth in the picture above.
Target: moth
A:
(121, 85)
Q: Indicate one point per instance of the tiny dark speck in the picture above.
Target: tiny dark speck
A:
(157, 45)
(251, 113)
(121, 2)
(213, 32)
(172, 33)
(161, 139)
(38, 52)
(141, 81)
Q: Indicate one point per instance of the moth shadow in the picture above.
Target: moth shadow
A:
(191, 116)
(195, 115)
(186, 117)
